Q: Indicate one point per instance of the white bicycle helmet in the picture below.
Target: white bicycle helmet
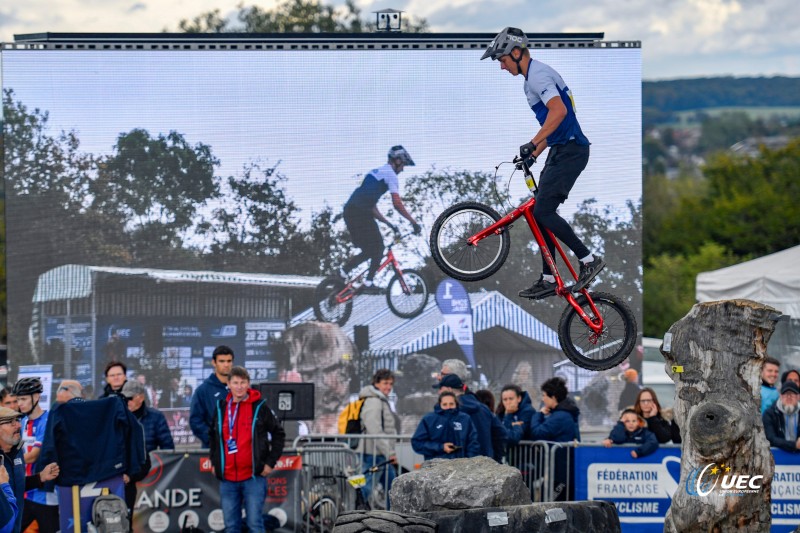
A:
(400, 153)
(505, 42)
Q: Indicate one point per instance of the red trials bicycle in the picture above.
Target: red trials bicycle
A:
(470, 242)
(406, 294)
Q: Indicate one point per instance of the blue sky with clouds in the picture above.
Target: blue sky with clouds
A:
(680, 38)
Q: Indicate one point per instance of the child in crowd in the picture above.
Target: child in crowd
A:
(446, 433)
(632, 429)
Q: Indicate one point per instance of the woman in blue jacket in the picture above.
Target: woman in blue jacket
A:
(446, 433)
(515, 412)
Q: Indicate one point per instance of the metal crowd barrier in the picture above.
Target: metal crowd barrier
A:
(546, 466)
(324, 491)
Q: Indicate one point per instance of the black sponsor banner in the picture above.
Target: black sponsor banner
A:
(181, 488)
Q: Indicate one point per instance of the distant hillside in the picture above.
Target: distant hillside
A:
(662, 99)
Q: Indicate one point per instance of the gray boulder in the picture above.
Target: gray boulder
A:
(458, 484)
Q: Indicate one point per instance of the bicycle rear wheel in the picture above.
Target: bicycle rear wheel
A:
(454, 255)
(410, 302)
(326, 306)
(600, 351)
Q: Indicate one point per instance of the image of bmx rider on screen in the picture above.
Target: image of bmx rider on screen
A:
(361, 213)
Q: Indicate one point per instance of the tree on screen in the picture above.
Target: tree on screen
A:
(256, 227)
(155, 181)
(292, 16)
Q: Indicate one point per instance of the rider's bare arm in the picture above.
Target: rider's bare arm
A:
(379, 216)
(556, 112)
(401, 208)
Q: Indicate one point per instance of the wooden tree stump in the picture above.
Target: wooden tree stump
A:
(720, 347)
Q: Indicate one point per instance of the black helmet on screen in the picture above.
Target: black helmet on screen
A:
(401, 154)
(505, 42)
(27, 387)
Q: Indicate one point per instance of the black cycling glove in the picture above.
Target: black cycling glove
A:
(417, 228)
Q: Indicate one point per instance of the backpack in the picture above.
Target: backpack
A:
(350, 420)
(110, 514)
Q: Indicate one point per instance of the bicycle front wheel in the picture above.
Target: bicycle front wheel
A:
(327, 306)
(595, 351)
(407, 295)
(455, 256)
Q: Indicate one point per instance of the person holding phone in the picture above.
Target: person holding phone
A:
(446, 433)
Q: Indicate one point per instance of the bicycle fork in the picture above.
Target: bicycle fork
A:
(595, 324)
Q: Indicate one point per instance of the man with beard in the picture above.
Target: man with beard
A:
(12, 459)
(780, 420)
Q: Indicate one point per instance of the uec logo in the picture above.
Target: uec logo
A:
(703, 482)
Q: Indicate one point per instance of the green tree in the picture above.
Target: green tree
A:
(669, 283)
(155, 183)
(291, 16)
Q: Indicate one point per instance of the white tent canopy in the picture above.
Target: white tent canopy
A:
(773, 280)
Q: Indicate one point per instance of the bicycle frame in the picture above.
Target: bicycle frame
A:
(349, 290)
(525, 210)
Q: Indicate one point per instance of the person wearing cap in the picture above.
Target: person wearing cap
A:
(361, 211)
(156, 431)
(631, 390)
(41, 505)
(156, 435)
(12, 459)
(553, 104)
(377, 418)
(781, 420)
(491, 433)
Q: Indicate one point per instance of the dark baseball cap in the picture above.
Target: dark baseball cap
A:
(450, 380)
(790, 386)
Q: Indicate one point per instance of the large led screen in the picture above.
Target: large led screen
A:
(162, 203)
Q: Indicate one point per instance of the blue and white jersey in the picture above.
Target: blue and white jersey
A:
(375, 184)
(543, 83)
(33, 432)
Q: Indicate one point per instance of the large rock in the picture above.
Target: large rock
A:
(458, 484)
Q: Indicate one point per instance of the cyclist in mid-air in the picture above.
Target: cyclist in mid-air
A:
(361, 211)
(551, 101)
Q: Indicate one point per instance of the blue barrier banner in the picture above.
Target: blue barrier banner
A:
(785, 492)
(642, 489)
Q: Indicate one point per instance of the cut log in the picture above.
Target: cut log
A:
(714, 354)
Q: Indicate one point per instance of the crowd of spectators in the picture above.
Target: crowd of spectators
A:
(462, 424)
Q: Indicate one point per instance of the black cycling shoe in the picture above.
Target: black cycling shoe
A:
(370, 289)
(540, 289)
(587, 273)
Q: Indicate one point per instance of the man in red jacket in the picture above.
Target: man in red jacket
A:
(246, 442)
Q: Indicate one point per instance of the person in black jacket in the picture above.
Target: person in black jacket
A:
(156, 436)
(631, 429)
(647, 407)
(116, 375)
(781, 420)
